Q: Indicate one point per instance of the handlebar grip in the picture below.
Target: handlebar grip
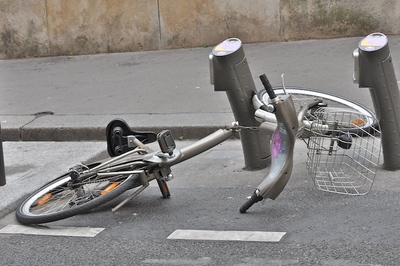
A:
(253, 199)
(267, 86)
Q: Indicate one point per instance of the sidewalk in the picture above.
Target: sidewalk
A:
(29, 165)
(73, 98)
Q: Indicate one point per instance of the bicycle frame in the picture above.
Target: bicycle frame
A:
(261, 121)
(283, 129)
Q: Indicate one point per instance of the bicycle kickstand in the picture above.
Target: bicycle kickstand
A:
(125, 201)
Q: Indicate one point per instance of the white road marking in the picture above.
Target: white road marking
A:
(177, 262)
(227, 235)
(51, 230)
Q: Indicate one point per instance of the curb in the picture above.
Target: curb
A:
(93, 127)
(96, 133)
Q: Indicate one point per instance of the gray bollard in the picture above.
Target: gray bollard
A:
(2, 170)
(230, 73)
(374, 70)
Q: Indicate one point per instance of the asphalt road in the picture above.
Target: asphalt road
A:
(321, 228)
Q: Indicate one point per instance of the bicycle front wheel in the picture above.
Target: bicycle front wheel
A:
(301, 95)
(65, 197)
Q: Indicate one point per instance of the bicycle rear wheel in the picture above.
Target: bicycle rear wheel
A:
(301, 95)
(65, 197)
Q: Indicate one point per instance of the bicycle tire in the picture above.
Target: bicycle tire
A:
(64, 201)
(301, 94)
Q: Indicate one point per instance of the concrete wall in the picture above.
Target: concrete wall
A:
(60, 27)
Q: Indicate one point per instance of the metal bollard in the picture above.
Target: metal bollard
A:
(230, 73)
(373, 69)
(2, 170)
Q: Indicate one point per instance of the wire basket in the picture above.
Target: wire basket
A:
(343, 151)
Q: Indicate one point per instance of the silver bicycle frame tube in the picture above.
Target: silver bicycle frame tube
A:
(205, 144)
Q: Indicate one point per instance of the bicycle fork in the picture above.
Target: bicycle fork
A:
(282, 145)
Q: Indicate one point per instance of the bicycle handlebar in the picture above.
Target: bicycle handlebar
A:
(250, 202)
(267, 86)
(282, 144)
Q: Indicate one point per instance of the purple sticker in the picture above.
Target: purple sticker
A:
(276, 144)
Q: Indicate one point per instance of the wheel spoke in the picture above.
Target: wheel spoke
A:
(66, 197)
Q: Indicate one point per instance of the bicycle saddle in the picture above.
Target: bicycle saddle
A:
(117, 133)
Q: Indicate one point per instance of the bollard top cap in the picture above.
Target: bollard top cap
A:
(227, 47)
(373, 42)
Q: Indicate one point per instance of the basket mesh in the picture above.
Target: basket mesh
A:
(343, 152)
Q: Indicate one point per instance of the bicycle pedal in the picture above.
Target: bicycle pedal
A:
(162, 184)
